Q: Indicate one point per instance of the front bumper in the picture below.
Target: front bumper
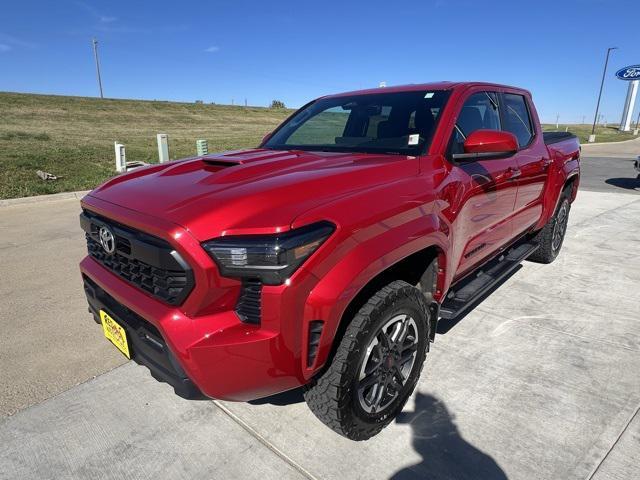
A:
(214, 355)
(147, 345)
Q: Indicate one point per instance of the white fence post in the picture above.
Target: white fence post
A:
(163, 147)
(202, 147)
(121, 158)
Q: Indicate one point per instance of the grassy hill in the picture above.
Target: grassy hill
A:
(72, 137)
(610, 133)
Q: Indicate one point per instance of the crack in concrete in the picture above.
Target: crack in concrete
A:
(254, 433)
(613, 445)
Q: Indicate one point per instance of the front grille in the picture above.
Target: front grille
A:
(147, 262)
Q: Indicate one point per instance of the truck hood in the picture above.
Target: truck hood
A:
(255, 190)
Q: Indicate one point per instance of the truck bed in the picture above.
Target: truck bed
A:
(555, 137)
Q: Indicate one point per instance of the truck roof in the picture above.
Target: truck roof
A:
(443, 85)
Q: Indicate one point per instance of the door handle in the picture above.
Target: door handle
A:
(545, 163)
(509, 174)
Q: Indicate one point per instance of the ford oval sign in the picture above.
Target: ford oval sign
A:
(629, 73)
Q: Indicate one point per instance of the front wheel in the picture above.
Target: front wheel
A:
(551, 237)
(376, 366)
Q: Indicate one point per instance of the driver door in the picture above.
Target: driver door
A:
(484, 221)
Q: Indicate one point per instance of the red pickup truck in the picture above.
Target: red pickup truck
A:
(325, 257)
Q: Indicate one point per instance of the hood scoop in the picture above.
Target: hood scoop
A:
(215, 164)
(218, 162)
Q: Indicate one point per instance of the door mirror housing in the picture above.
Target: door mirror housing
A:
(486, 144)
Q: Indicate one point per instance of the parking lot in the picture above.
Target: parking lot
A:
(539, 381)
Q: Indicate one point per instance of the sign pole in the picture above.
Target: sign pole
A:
(592, 137)
(627, 112)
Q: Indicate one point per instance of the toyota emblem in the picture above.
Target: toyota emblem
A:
(107, 240)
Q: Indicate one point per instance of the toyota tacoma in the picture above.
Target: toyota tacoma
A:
(325, 257)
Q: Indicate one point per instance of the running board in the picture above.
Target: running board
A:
(470, 289)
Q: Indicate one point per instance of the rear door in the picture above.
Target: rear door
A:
(483, 223)
(532, 159)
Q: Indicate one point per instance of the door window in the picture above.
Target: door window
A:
(480, 111)
(517, 119)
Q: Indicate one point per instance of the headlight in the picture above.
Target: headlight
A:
(270, 258)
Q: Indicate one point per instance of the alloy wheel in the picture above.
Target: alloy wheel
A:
(560, 226)
(387, 363)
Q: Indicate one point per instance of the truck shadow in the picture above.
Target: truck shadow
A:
(445, 454)
(626, 183)
(281, 399)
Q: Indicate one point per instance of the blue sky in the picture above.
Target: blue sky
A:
(298, 50)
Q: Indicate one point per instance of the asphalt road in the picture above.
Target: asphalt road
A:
(609, 174)
(528, 385)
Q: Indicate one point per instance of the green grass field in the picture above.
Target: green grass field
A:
(609, 133)
(72, 137)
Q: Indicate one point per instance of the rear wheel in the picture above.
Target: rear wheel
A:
(376, 365)
(551, 237)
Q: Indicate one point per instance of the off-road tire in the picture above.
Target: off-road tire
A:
(333, 395)
(548, 249)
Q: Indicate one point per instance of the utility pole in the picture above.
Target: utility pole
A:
(557, 120)
(592, 137)
(95, 55)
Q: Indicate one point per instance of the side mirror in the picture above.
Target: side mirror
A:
(486, 144)
(266, 138)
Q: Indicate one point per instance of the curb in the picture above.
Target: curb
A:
(43, 198)
(611, 143)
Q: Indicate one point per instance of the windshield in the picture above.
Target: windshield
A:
(400, 123)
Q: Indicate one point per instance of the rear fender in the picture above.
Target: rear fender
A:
(564, 167)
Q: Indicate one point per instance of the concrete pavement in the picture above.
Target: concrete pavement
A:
(539, 381)
(626, 149)
(48, 343)
(134, 429)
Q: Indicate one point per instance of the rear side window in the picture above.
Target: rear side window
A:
(517, 119)
(480, 111)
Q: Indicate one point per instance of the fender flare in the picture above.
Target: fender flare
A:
(334, 292)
